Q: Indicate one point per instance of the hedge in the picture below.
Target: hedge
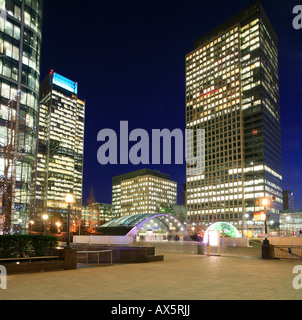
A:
(16, 246)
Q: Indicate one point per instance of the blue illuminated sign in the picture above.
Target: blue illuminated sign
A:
(65, 83)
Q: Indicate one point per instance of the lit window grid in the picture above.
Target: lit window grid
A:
(290, 222)
(10, 25)
(212, 98)
(69, 132)
(143, 194)
(249, 38)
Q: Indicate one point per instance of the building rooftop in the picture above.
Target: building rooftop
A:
(139, 173)
(241, 16)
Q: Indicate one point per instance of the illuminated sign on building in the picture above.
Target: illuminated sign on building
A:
(260, 216)
(65, 83)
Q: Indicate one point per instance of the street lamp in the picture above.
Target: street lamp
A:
(58, 224)
(265, 203)
(45, 218)
(31, 222)
(20, 225)
(244, 218)
(69, 199)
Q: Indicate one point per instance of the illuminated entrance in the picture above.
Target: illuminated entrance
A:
(148, 227)
(226, 230)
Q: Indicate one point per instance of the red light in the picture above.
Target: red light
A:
(255, 132)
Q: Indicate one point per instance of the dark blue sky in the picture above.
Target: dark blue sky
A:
(129, 60)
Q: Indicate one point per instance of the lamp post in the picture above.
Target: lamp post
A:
(244, 218)
(45, 218)
(20, 225)
(31, 223)
(69, 199)
(265, 203)
(58, 224)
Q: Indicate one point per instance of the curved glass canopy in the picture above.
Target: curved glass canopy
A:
(151, 226)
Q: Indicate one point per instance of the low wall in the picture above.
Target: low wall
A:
(234, 242)
(285, 241)
(105, 240)
(200, 248)
(174, 246)
(124, 254)
(67, 261)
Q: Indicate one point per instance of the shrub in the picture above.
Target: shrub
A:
(43, 245)
(17, 246)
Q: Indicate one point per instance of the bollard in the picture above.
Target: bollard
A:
(267, 251)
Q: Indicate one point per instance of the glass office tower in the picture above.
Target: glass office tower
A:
(232, 91)
(20, 48)
(60, 146)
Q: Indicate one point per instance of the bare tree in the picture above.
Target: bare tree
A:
(7, 178)
(10, 156)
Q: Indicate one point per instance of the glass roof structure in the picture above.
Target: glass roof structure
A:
(131, 225)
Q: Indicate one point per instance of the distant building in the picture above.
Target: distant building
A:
(291, 222)
(60, 144)
(288, 200)
(184, 195)
(96, 214)
(142, 191)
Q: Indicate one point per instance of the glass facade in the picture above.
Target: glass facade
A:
(142, 191)
(20, 49)
(232, 92)
(60, 146)
(291, 223)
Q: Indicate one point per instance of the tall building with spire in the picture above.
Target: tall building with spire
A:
(232, 91)
(20, 49)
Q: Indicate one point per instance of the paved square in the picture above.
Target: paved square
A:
(179, 277)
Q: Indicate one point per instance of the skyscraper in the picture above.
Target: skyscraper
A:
(20, 48)
(288, 200)
(232, 91)
(142, 191)
(60, 145)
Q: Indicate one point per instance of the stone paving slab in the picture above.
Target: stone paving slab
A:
(178, 277)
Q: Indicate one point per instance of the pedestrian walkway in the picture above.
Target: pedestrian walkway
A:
(179, 277)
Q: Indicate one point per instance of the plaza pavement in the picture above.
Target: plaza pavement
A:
(179, 277)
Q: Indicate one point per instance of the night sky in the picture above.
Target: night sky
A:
(129, 60)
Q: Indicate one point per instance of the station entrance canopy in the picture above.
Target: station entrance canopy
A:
(159, 224)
